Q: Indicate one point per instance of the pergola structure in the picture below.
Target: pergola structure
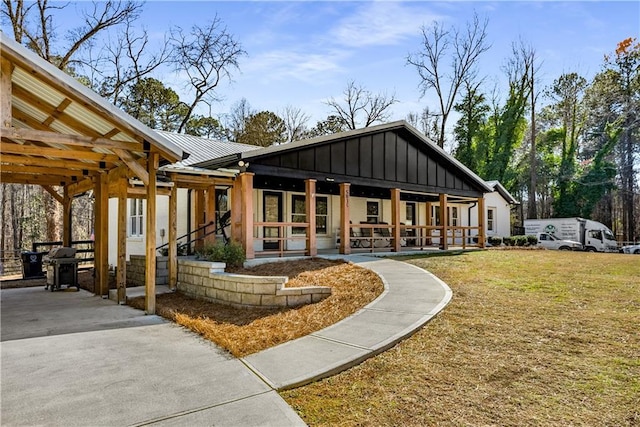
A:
(59, 134)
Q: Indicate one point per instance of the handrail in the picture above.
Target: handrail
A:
(197, 230)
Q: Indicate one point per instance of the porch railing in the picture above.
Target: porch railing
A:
(281, 238)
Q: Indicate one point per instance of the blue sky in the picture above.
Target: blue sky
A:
(301, 53)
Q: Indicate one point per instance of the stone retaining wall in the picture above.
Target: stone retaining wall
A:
(208, 281)
(136, 270)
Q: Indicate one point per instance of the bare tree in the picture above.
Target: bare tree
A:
(41, 36)
(127, 60)
(466, 47)
(361, 106)
(237, 119)
(295, 121)
(426, 121)
(206, 55)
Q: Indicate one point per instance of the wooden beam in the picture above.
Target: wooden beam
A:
(310, 210)
(33, 150)
(6, 70)
(101, 233)
(54, 193)
(135, 167)
(73, 140)
(32, 179)
(246, 179)
(481, 222)
(80, 187)
(121, 279)
(444, 223)
(44, 170)
(150, 266)
(141, 193)
(199, 212)
(173, 241)
(236, 211)
(67, 206)
(395, 218)
(345, 217)
(210, 214)
(57, 112)
(429, 221)
(41, 161)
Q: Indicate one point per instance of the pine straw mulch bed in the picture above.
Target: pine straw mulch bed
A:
(246, 331)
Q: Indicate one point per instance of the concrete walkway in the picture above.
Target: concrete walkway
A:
(411, 298)
(93, 362)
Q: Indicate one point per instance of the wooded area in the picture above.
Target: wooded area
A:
(571, 149)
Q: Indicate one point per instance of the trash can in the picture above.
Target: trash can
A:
(31, 264)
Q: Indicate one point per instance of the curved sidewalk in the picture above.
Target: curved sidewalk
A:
(412, 296)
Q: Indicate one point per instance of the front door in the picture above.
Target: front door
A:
(272, 212)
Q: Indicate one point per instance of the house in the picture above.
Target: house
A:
(373, 189)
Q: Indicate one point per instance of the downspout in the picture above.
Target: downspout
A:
(469, 217)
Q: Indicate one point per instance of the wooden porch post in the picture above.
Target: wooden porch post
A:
(481, 229)
(395, 218)
(310, 210)
(150, 267)
(210, 216)
(173, 234)
(345, 216)
(429, 222)
(101, 235)
(236, 210)
(67, 203)
(246, 184)
(199, 217)
(121, 279)
(444, 223)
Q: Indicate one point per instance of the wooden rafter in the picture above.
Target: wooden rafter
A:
(33, 150)
(132, 163)
(39, 161)
(54, 193)
(59, 138)
(57, 112)
(29, 179)
(42, 170)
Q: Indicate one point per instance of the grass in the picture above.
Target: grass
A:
(530, 338)
(246, 331)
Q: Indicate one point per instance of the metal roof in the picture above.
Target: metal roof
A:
(203, 149)
(497, 186)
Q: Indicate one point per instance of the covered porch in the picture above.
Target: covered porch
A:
(383, 188)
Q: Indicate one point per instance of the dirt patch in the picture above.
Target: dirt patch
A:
(244, 331)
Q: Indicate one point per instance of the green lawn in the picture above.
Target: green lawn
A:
(530, 338)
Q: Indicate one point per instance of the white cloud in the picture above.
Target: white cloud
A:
(381, 23)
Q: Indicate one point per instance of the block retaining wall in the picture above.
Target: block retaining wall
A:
(136, 270)
(208, 281)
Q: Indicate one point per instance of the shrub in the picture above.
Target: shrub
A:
(495, 241)
(521, 240)
(232, 253)
(508, 241)
(532, 240)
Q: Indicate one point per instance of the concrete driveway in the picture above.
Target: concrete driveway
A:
(73, 359)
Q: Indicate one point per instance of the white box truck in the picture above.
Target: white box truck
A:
(593, 235)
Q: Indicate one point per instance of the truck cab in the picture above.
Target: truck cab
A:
(600, 240)
(549, 241)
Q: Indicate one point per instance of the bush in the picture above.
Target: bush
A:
(508, 241)
(231, 254)
(520, 240)
(532, 240)
(495, 241)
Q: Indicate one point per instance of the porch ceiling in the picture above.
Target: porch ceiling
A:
(57, 132)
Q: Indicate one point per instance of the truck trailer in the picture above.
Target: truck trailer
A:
(593, 235)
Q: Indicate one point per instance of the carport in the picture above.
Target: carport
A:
(61, 135)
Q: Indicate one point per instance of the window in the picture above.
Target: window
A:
(436, 214)
(298, 213)
(410, 213)
(595, 234)
(453, 216)
(373, 212)
(491, 216)
(135, 217)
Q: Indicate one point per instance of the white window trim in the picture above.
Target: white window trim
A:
(133, 205)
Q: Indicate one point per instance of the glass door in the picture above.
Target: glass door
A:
(272, 212)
